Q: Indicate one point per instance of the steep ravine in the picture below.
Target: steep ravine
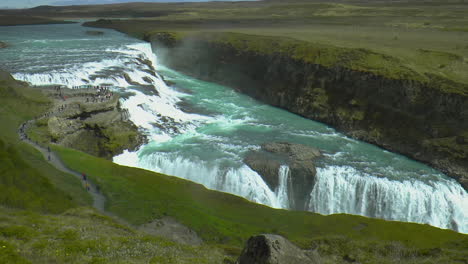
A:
(421, 116)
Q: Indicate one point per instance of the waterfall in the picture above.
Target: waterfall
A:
(282, 189)
(341, 185)
(110, 71)
(240, 181)
(342, 189)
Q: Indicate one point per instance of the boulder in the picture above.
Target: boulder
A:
(275, 249)
(171, 229)
(129, 80)
(3, 45)
(267, 163)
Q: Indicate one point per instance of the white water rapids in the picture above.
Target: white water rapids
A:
(353, 177)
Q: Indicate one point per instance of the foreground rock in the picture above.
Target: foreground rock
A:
(299, 179)
(3, 45)
(274, 249)
(171, 229)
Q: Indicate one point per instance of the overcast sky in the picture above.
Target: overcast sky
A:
(33, 3)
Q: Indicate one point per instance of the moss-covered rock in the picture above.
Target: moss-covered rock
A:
(98, 128)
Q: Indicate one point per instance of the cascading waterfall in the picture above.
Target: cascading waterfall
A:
(341, 189)
(241, 181)
(282, 189)
(209, 149)
(108, 71)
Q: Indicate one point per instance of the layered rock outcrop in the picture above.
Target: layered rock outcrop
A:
(97, 127)
(422, 116)
(301, 172)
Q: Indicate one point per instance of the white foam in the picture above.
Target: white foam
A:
(342, 189)
(282, 191)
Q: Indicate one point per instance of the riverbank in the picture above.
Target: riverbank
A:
(18, 20)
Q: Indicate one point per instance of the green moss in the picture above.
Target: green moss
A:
(120, 136)
(17, 232)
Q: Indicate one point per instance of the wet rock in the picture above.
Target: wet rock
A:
(3, 45)
(94, 33)
(168, 83)
(147, 80)
(130, 81)
(191, 108)
(146, 62)
(275, 249)
(300, 160)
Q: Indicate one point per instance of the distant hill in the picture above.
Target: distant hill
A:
(100, 2)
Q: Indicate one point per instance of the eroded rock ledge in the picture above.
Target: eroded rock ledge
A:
(87, 123)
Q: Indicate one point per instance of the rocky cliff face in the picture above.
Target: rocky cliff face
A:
(423, 117)
(98, 128)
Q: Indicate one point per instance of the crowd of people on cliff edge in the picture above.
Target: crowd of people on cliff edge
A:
(100, 93)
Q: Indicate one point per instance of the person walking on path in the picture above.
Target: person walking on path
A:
(83, 176)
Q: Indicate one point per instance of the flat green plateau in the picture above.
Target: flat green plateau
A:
(407, 39)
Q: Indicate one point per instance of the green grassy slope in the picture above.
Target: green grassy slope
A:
(26, 180)
(40, 217)
(140, 196)
(81, 235)
(224, 221)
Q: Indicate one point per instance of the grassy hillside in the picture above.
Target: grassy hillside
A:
(26, 180)
(81, 235)
(140, 196)
(41, 220)
(224, 221)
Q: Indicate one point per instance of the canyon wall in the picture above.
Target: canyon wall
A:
(369, 96)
